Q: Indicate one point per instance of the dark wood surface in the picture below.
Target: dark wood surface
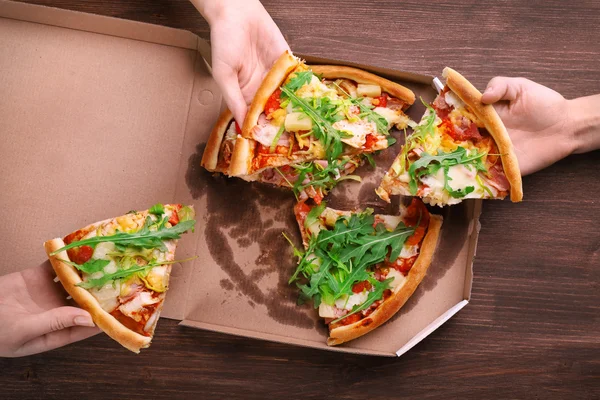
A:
(532, 329)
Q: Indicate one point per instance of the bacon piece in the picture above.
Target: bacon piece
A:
(497, 178)
(466, 130)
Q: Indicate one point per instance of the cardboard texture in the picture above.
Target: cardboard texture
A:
(99, 116)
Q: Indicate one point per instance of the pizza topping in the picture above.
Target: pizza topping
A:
(357, 131)
(393, 117)
(128, 270)
(273, 102)
(342, 258)
(366, 90)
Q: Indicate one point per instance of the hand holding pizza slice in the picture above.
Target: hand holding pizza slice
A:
(118, 269)
(459, 150)
(302, 113)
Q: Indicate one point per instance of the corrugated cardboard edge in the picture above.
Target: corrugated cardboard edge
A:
(278, 338)
(474, 229)
(109, 26)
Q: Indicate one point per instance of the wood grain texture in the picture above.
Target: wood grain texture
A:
(532, 329)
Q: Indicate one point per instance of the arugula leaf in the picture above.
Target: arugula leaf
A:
(372, 297)
(337, 258)
(150, 236)
(120, 274)
(90, 266)
(324, 178)
(429, 164)
(157, 209)
(426, 126)
(276, 139)
(322, 128)
(298, 80)
(314, 214)
(370, 159)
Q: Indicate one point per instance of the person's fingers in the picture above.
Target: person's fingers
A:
(501, 88)
(56, 339)
(227, 79)
(54, 320)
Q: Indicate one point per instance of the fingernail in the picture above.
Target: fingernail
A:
(83, 320)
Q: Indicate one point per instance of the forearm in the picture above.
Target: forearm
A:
(584, 114)
(212, 10)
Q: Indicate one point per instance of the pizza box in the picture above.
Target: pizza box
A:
(101, 115)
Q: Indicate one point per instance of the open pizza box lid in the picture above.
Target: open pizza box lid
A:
(99, 116)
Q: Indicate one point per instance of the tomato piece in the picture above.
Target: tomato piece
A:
(274, 102)
(301, 210)
(318, 198)
(351, 319)
(358, 287)
(415, 211)
(80, 255)
(403, 265)
(370, 141)
(237, 128)
(379, 101)
(174, 220)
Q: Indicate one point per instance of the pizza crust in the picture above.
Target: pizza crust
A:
(358, 75)
(393, 303)
(486, 113)
(284, 65)
(210, 157)
(69, 277)
(241, 159)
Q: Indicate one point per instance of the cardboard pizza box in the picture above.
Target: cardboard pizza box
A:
(99, 116)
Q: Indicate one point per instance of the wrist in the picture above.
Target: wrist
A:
(584, 124)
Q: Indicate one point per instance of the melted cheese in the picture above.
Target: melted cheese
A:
(399, 279)
(107, 295)
(461, 177)
(359, 131)
(102, 249)
(326, 311)
(231, 133)
(347, 302)
(316, 88)
(409, 251)
(453, 100)
(393, 117)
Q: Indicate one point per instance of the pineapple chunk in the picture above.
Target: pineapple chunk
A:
(297, 121)
(366, 90)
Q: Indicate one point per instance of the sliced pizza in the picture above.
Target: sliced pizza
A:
(302, 113)
(358, 268)
(459, 150)
(311, 179)
(118, 269)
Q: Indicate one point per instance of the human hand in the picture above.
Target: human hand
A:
(35, 315)
(245, 44)
(537, 118)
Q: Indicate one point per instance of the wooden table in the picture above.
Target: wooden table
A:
(532, 329)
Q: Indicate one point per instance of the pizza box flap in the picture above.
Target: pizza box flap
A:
(101, 116)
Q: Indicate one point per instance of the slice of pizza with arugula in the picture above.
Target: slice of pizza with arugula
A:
(310, 179)
(302, 113)
(118, 269)
(459, 150)
(358, 268)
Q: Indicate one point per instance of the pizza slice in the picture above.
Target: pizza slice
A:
(358, 268)
(310, 179)
(118, 269)
(302, 113)
(459, 150)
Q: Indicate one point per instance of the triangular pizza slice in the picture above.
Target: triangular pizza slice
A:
(118, 269)
(459, 150)
(302, 113)
(359, 268)
(310, 179)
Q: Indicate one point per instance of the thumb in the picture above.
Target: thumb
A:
(501, 88)
(54, 320)
(227, 79)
